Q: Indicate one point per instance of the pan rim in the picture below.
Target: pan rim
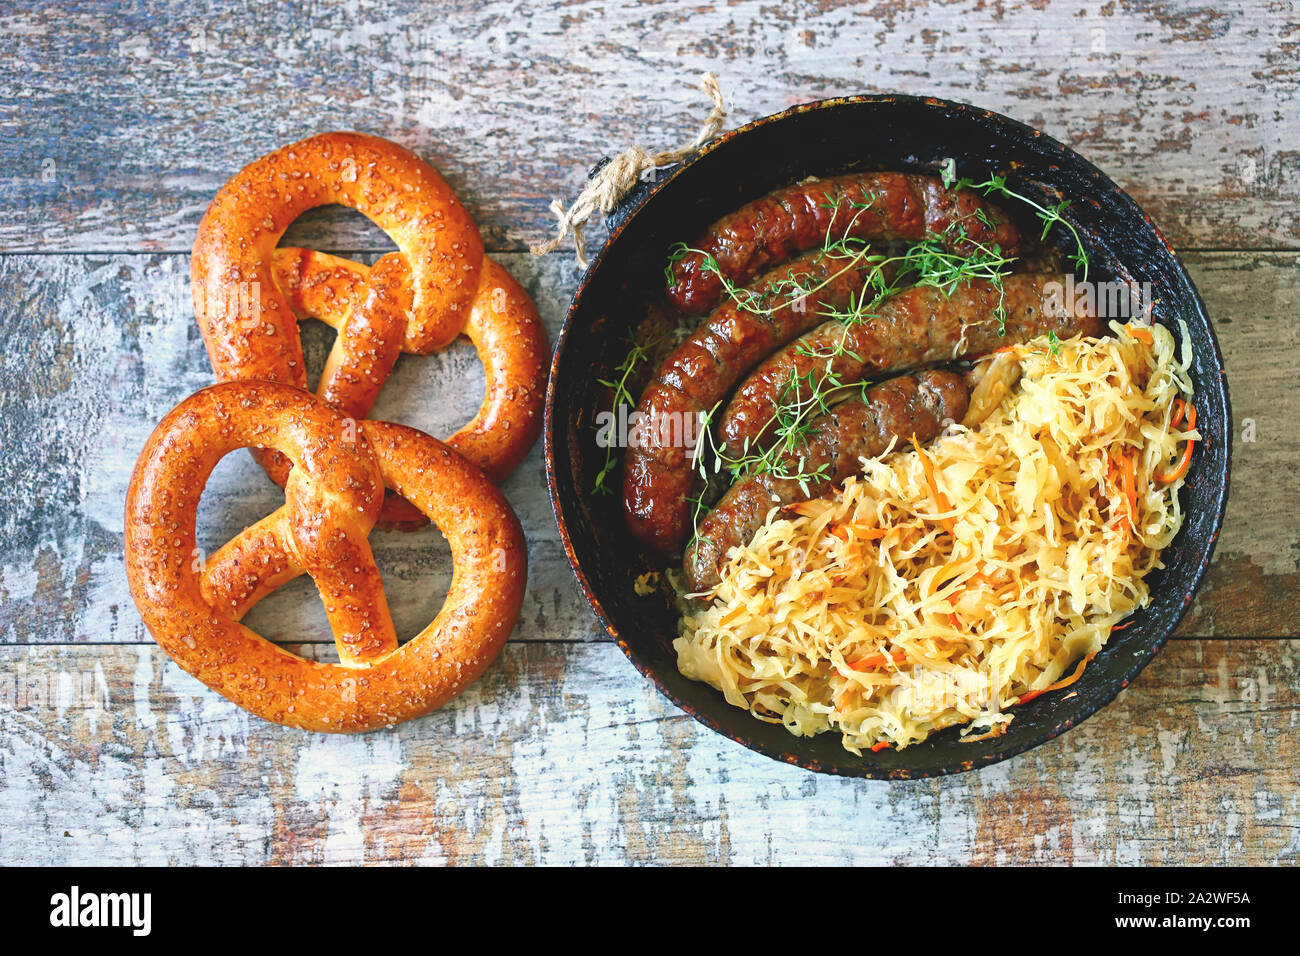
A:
(862, 768)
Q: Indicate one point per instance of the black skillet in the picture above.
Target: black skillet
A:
(832, 136)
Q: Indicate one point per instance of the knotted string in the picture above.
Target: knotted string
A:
(618, 177)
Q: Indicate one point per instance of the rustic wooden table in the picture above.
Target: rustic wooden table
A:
(118, 123)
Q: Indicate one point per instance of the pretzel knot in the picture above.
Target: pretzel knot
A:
(333, 496)
(250, 295)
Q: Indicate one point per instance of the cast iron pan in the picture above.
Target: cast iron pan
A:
(824, 138)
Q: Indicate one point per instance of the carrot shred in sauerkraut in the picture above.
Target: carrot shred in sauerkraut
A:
(864, 614)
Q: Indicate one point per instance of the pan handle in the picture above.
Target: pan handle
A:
(630, 201)
(660, 166)
(573, 219)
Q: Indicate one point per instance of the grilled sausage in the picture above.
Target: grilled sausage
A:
(918, 326)
(899, 206)
(859, 428)
(702, 370)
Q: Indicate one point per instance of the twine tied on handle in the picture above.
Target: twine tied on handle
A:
(616, 178)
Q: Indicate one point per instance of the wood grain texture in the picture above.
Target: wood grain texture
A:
(562, 755)
(110, 345)
(1253, 588)
(119, 121)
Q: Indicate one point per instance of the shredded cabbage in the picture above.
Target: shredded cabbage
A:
(860, 613)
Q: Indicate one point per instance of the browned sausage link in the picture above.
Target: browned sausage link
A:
(769, 230)
(918, 326)
(701, 371)
(897, 409)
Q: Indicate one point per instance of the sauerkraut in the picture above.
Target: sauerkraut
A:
(949, 584)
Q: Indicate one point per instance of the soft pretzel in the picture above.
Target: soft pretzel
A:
(332, 500)
(248, 295)
(503, 325)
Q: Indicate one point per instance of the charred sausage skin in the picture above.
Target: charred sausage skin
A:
(701, 371)
(884, 206)
(899, 408)
(918, 326)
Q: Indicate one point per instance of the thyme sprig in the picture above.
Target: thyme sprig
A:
(636, 354)
(1049, 216)
(788, 290)
(806, 397)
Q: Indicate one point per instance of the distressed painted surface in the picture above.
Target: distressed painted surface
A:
(563, 755)
(120, 120)
(1253, 588)
(110, 345)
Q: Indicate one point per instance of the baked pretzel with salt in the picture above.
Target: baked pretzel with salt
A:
(250, 295)
(333, 496)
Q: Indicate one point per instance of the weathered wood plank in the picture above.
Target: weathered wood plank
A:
(120, 121)
(563, 754)
(103, 346)
(1253, 588)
